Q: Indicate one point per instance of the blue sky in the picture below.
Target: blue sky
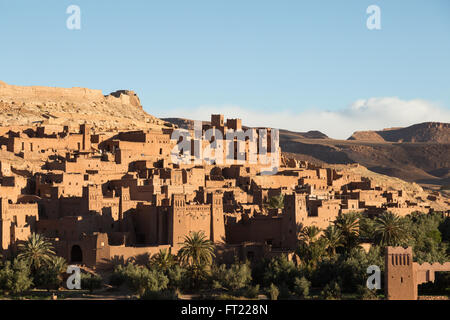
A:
(281, 61)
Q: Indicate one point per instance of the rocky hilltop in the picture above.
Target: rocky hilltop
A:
(71, 106)
(435, 132)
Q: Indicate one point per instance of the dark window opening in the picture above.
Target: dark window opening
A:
(76, 255)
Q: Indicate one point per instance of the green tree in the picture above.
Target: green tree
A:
(237, 277)
(177, 276)
(163, 260)
(197, 250)
(51, 275)
(197, 253)
(278, 270)
(366, 228)
(390, 230)
(426, 238)
(333, 239)
(15, 277)
(59, 264)
(350, 268)
(301, 287)
(310, 249)
(348, 224)
(309, 235)
(444, 228)
(90, 282)
(252, 292)
(139, 279)
(273, 292)
(365, 293)
(277, 202)
(37, 251)
(332, 291)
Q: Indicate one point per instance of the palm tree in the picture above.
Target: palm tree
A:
(348, 225)
(308, 235)
(197, 250)
(53, 276)
(333, 239)
(196, 254)
(310, 247)
(390, 230)
(163, 260)
(277, 202)
(36, 251)
(59, 264)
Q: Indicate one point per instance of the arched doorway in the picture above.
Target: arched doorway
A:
(76, 255)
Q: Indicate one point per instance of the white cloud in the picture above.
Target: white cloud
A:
(364, 114)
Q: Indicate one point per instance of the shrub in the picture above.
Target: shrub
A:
(252, 292)
(444, 228)
(90, 282)
(225, 296)
(278, 270)
(161, 295)
(139, 279)
(276, 202)
(235, 278)
(284, 292)
(273, 292)
(426, 237)
(365, 293)
(440, 286)
(301, 287)
(176, 276)
(350, 268)
(331, 291)
(48, 278)
(15, 277)
(118, 277)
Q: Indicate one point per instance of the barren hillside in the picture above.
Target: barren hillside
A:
(424, 163)
(26, 105)
(434, 132)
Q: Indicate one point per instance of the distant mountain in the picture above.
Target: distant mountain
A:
(419, 153)
(424, 132)
(307, 135)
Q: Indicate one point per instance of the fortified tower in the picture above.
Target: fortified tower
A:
(217, 218)
(177, 225)
(400, 277)
(85, 130)
(294, 213)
